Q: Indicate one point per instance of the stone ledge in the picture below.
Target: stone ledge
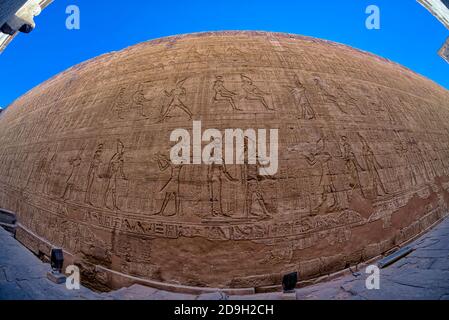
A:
(9, 227)
(7, 217)
(118, 280)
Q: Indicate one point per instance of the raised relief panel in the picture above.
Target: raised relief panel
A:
(363, 159)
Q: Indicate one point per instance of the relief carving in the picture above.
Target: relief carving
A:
(363, 143)
(176, 101)
(252, 92)
(302, 101)
(171, 187)
(223, 94)
(112, 176)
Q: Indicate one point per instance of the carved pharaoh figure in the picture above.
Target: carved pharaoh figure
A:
(252, 92)
(171, 187)
(176, 101)
(114, 173)
(120, 104)
(48, 173)
(140, 100)
(373, 167)
(352, 164)
(322, 158)
(417, 159)
(71, 179)
(347, 99)
(93, 173)
(38, 170)
(328, 95)
(402, 150)
(215, 175)
(302, 101)
(251, 180)
(385, 103)
(223, 94)
(432, 160)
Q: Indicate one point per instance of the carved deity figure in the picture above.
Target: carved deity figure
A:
(431, 159)
(171, 187)
(347, 99)
(38, 170)
(93, 173)
(176, 96)
(71, 179)
(328, 192)
(251, 180)
(328, 95)
(48, 173)
(252, 92)
(373, 167)
(418, 159)
(386, 103)
(402, 150)
(114, 173)
(215, 175)
(140, 101)
(302, 101)
(352, 164)
(120, 103)
(223, 94)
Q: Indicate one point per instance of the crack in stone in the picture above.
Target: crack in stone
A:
(351, 292)
(433, 261)
(408, 285)
(428, 245)
(4, 274)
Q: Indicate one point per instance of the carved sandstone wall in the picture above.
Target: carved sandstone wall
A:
(364, 160)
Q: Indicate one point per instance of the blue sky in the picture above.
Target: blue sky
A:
(409, 34)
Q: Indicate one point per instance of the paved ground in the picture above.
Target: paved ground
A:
(423, 274)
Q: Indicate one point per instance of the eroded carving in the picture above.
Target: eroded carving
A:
(176, 101)
(355, 162)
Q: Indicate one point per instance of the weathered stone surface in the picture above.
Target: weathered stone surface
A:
(363, 160)
(408, 278)
(213, 296)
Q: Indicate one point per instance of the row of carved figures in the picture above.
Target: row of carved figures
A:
(299, 92)
(417, 167)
